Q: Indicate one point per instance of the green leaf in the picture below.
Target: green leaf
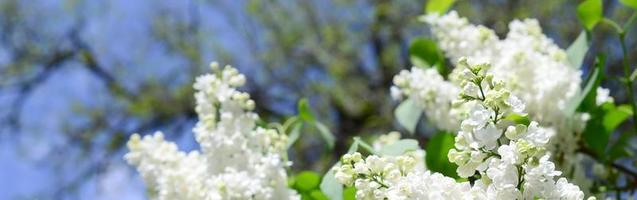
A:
(596, 137)
(620, 148)
(590, 13)
(590, 100)
(318, 195)
(330, 186)
(604, 120)
(424, 53)
(294, 135)
(616, 116)
(365, 146)
(577, 51)
(408, 114)
(437, 149)
(305, 112)
(438, 6)
(307, 181)
(399, 147)
(349, 193)
(326, 134)
(354, 147)
(291, 181)
(518, 119)
(589, 92)
(630, 3)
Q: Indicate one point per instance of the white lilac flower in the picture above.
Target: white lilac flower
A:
(603, 96)
(534, 67)
(428, 89)
(237, 160)
(567, 190)
(510, 153)
(396, 178)
(392, 137)
(428, 185)
(510, 165)
(503, 160)
(458, 38)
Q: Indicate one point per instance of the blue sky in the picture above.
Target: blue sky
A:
(38, 160)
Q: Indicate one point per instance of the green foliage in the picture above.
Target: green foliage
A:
(305, 113)
(408, 114)
(314, 195)
(629, 3)
(399, 147)
(424, 52)
(438, 6)
(294, 134)
(437, 149)
(586, 98)
(359, 142)
(306, 181)
(349, 193)
(620, 148)
(589, 13)
(306, 184)
(326, 134)
(596, 136)
(616, 115)
(577, 51)
(589, 98)
(604, 120)
(518, 119)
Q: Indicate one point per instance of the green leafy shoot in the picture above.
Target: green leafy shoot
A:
(437, 149)
(438, 6)
(590, 13)
(305, 114)
(578, 49)
(425, 53)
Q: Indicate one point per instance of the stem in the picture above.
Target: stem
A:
(628, 81)
(616, 26)
(379, 181)
(481, 91)
(630, 21)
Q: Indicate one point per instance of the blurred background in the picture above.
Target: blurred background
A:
(77, 78)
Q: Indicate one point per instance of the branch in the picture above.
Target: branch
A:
(27, 87)
(619, 167)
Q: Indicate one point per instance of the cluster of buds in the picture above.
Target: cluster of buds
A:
(374, 175)
(507, 159)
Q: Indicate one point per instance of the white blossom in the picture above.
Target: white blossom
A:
(507, 161)
(392, 137)
(534, 67)
(428, 185)
(237, 159)
(603, 96)
(428, 89)
(395, 177)
(513, 165)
